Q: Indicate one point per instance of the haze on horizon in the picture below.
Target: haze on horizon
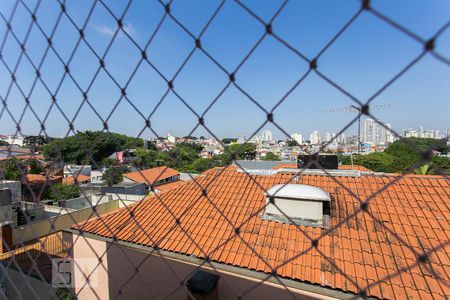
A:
(362, 60)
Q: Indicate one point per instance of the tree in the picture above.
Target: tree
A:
(34, 167)
(292, 143)
(108, 162)
(89, 147)
(229, 140)
(440, 165)
(13, 170)
(60, 191)
(113, 175)
(270, 156)
(35, 140)
(151, 145)
(3, 143)
(377, 161)
(239, 151)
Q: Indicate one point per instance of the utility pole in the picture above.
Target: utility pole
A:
(354, 108)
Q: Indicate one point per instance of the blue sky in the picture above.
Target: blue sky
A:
(362, 60)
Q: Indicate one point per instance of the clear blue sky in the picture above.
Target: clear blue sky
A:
(362, 60)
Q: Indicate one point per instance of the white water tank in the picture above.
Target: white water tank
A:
(296, 203)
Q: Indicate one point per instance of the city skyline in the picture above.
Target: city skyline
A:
(266, 76)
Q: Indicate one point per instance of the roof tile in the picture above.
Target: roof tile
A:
(362, 249)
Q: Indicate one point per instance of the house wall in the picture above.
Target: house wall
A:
(126, 197)
(159, 278)
(42, 228)
(17, 285)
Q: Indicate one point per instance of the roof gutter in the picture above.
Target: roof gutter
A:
(300, 287)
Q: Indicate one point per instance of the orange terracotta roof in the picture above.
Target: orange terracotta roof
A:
(80, 179)
(168, 186)
(40, 179)
(149, 176)
(364, 250)
(292, 165)
(354, 167)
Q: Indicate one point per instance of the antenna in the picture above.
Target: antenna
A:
(357, 109)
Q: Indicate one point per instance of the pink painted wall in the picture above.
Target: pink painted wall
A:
(160, 278)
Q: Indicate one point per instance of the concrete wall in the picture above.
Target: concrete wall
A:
(15, 187)
(158, 278)
(126, 197)
(17, 285)
(42, 228)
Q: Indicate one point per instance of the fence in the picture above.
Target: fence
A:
(387, 235)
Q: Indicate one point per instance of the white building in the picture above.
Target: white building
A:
(12, 139)
(314, 138)
(297, 137)
(429, 133)
(266, 136)
(172, 139)
(377, 134)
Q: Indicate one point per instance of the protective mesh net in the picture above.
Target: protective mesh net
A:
(45, 61)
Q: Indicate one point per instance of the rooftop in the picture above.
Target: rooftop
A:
(405, 217)
(150, 176)
(80, 178)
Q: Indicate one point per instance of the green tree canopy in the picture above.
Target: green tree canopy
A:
(113, 175)
(229, 140)
(270, 156)
(60, 191)
(89, 147)
(13, 169)
(34, 167)
(35, 140)
(405, 155)
(239, 151)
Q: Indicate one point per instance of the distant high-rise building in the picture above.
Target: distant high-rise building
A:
(314, 138)
(377, 134)
(266, 136)
(429, 133)
(328, 137)
(297, 137)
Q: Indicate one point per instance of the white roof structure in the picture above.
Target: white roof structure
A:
(298, 191)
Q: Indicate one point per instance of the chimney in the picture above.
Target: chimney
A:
(203, 286)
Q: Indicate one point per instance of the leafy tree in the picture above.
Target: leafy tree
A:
(108, 162)
(89, 147)
(64, 294)
(201, 164)
(271, 156)
(292, 143)
(34, 167)
(423, 170)
(377, 161)
(35, 140)
(227, 141)
(403, 155)
(239, 151)
(113, 175)
(13, 169)
(3, 143)
(151, 145)
(440, 165)
(60, 191)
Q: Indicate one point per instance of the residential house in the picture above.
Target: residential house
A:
(370, 232)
